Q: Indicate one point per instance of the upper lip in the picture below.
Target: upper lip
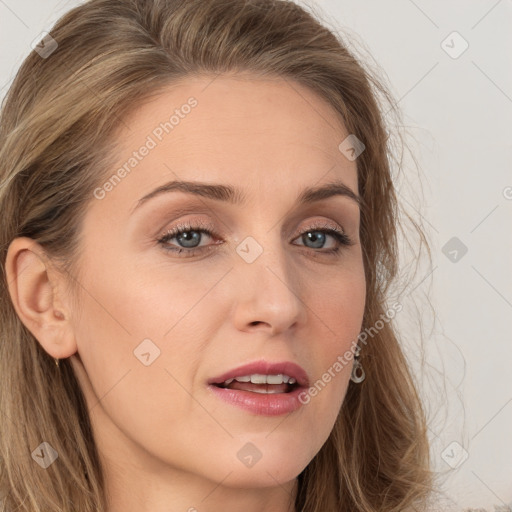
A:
(265, 368)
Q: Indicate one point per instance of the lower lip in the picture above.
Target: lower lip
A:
(264, 404)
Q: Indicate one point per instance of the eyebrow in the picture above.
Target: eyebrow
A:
(236, 196)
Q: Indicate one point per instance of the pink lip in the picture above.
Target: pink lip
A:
(259, 403)
(266, 368)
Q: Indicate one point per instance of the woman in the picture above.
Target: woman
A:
(199, 233)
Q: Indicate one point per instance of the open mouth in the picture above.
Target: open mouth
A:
(259, 383)
(270, 394)
(258, 388)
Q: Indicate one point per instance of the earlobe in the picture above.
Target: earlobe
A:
(33, 287)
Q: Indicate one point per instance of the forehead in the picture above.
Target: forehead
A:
(253, 132)
(225, 100)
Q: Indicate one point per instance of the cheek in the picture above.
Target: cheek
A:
(336, 305)
(125, 323)
(138, 313)
(339, 302)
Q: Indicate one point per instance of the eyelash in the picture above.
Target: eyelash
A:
(342, 238)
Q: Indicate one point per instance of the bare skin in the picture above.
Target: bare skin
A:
(167, 443)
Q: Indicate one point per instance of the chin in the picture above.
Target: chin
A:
(266, 475)
(270, 467)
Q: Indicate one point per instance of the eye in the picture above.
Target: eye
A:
(319, 233)
(189, 238)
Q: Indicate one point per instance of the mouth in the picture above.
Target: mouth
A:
(263, 377)
(260, 383)
(262, 388)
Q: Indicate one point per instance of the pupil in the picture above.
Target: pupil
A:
(188, 238)
(316, 236)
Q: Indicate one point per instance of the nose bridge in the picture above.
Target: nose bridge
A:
(269, 285)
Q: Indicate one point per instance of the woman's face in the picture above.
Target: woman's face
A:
(160, 320)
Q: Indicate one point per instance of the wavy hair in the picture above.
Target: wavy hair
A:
(57, 132)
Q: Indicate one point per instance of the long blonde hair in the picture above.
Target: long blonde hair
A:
(56, 134)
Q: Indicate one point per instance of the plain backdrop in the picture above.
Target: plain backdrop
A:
(448, 65)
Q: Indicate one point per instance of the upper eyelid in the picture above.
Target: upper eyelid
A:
(318, 225)
(343, 216)
(196, 225)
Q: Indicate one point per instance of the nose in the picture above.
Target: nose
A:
(268, 292)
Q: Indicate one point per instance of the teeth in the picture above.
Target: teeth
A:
(263, 379)
(264, 392)
(258, 379)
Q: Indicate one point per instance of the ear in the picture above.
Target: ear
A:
(36, 293)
